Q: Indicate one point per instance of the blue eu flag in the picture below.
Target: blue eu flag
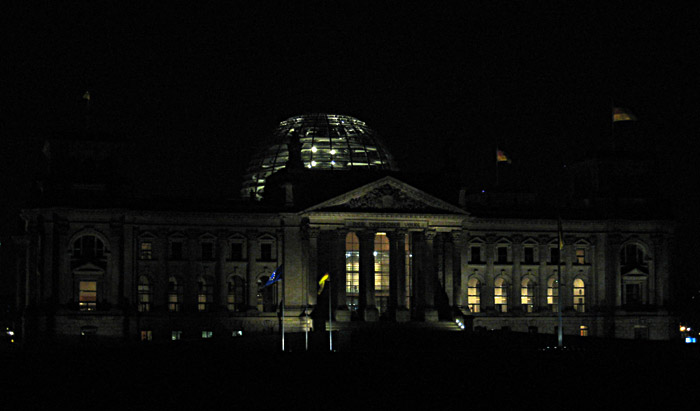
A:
(276, 276)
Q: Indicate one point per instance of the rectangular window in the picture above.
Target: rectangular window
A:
(87, 296)
(146, 250)
(176, 250)
(175, 335)
(237, 252)
(502, 255)
(146, 335)
(554, 255)
(529, 255)
(207, 251)
(633, 294)
(584, 331)
(476, 255)
(207, 334)
(266, 252)
(580, 256)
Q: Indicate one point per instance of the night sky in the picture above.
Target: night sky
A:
(198, 87)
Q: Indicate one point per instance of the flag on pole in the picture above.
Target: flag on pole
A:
(322, 283)
(276, 276)
(501, 156)
(622, 114)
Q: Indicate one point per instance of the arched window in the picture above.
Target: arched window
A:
(204, 294)
(145, 294)
(474, 295)
(174, 295)
(527, 294)
(88, 247)
(235, 299)
(632, 255)
(381, 271)
(500, 295)
(553, 293)
(579, 296)
(352, 269)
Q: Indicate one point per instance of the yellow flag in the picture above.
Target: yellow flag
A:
(322, 283)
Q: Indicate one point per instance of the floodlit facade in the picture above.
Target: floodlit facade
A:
(394, 252)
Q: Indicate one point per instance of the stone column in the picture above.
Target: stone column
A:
(658, 290)
(459, 261)
(613, 280)
(517, 256)
(543, 254)
(448, 258)
(487, 291)
(312, 269)
(115, 282)
(220, 285)
(65, 277)
(50, 282)
(430, 281)
(160, 296)
(338, 274)
(251, 285)
(366, 301)
(567, 284)
(128, 269)
(189, 299)
(397, 276)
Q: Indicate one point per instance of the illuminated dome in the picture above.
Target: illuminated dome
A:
(328, 142)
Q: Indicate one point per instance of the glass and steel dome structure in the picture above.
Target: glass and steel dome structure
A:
(328, 142)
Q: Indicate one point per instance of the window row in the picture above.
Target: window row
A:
(207, 251)
(528, 295)
(531, 255)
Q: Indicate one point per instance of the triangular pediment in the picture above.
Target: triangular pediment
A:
(389, 195)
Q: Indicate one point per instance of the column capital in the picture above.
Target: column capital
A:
(397, 234)
(430, 234)
(365, 235)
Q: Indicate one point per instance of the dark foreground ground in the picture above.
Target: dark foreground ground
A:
(370, 370)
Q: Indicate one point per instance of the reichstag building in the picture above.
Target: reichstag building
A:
(326, 196)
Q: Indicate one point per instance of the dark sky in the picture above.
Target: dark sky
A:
(198, 87)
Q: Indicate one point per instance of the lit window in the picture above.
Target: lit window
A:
(579, 296)
(500, 294)
(174, 295)
(527, 295)
(87, 296)
(474, 295)
(207, 334)
(352, 269)
(204, 295)
(146, 335)
(175, 335)
(584, 331)
(553, 294)
(580, 256)
(146, 250)
(235, 299)
(381, 271)
(145, 294)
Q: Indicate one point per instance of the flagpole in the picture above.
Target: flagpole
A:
(283, 314)
(330, 315)
(560, 331)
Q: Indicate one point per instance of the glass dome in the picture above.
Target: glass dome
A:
(328, 142)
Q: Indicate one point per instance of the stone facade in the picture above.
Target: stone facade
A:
(128, 273)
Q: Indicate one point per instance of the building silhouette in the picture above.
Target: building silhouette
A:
(325, 196)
